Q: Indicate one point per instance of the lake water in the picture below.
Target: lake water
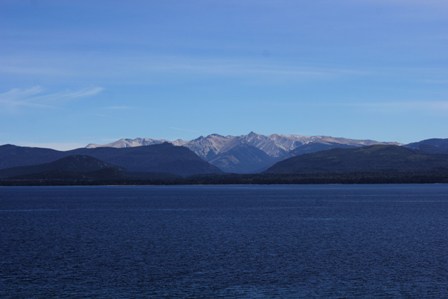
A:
(328, 241)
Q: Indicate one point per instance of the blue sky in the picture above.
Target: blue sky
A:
(76, 72)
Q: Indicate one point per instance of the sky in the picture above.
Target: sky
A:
(79, 72)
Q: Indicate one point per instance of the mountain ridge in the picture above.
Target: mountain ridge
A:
(431, 146)
(158, 158)
(74, 166)
(374, 158)
(167, 164)
(219, 149)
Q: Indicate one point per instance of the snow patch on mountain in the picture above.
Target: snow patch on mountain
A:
(127, 142)
(275, 145)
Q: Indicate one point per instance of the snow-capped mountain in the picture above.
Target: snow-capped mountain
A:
(121, 143)
(249, 153)
(210, 146)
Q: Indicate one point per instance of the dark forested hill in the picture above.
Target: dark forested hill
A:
(13, 156)
(160, 158)
(376, 158)
(164, 157)
(67, 167)
(431, 146)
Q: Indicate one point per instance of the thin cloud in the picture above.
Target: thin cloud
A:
(32, 71)
(118, 107)
(184, 130)
(35, 97)
(142, 66)
(419, 3)
(240, 68)
(429, 106)
(442, 3)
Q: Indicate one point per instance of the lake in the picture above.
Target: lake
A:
(291, 241)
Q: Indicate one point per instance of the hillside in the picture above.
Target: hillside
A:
(160, 158)
(14, 156)
(164, 158)
(430, 146)
(77, 166)
(376, 158)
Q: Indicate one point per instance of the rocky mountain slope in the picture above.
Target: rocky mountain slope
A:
(259, 151)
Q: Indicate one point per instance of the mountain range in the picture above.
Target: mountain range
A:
(273, 158)
(163, 158)
(249, 153)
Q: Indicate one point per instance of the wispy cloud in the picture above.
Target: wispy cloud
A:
(36, 97)
(419, 2)
(436, 81)
(244, 68)
(428, 106)
(393, 106)
(140, 67)
(184, 130)
(118, 107)
(407, 3)
(32, 70)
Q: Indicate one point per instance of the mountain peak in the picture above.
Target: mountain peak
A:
(275, 146)
(8, 146)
